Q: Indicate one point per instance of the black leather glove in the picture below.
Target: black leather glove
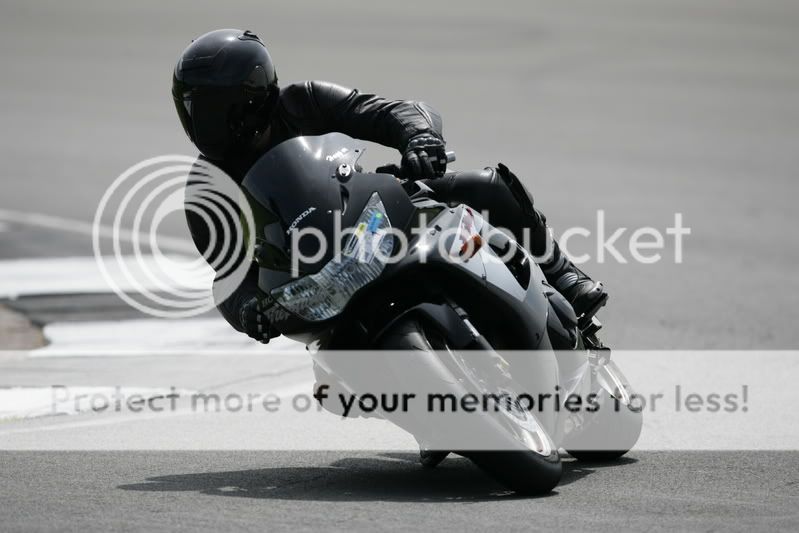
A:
(424, 157)
(254, 322)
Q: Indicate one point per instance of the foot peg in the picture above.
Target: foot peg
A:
(585, 319)
(591, 327)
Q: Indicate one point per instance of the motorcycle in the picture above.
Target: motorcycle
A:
(466, 305)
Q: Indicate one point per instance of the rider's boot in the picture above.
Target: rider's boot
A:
(585, 295)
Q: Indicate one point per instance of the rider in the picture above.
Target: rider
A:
(227, 96)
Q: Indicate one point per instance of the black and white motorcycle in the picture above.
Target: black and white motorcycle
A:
(384, 266)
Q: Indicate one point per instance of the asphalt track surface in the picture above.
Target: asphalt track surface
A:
(641, 109)
(360, 492)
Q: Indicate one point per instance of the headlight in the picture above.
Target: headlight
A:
(323, 295)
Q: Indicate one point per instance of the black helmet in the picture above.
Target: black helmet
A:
(225, 90)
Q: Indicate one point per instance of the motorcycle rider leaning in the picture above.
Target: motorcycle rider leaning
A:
(227, 96)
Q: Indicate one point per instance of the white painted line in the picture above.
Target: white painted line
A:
(81, 275)
(42, 400)
(147, 337)
(86, 228)
(33, 402)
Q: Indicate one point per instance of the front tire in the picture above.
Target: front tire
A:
(523, 471)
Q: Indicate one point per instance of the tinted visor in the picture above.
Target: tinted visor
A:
(219, 119)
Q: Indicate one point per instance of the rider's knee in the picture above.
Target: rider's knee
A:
(503, 183)
(495, 190)
(518, 190)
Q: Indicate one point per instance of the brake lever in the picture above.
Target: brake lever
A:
(391, 168)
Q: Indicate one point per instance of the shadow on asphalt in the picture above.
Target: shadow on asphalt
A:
(389, 477)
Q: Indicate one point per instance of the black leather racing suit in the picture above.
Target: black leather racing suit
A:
(316, 108)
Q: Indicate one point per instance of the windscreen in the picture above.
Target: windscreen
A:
(294, 187)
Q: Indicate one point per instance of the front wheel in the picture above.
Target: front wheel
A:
(521, 470)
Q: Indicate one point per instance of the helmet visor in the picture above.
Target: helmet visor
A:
(207, 115)
(219, 119)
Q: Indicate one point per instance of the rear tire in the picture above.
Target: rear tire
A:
(525, 472)
(626, 428)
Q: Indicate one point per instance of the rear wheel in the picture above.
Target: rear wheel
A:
(614, 429)
(616, 435)
(523, 471)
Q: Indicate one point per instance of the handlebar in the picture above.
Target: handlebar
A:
(450, 157)
(394, 169)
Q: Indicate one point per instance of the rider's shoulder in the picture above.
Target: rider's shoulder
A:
(296, 96)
